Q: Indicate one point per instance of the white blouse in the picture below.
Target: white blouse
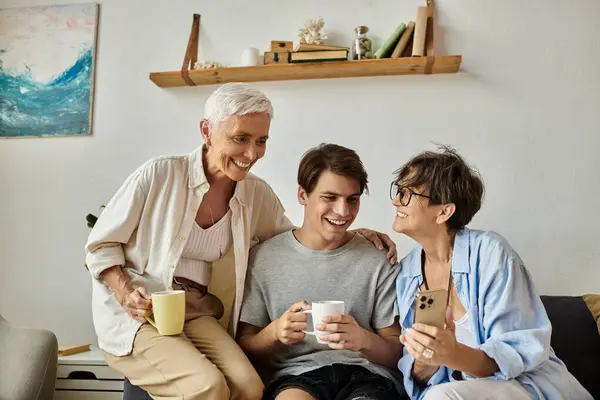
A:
(145, 227)
(202, 248)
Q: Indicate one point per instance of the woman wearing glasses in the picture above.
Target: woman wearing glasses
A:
(496, 339)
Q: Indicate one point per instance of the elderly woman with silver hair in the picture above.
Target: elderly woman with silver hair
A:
(171, 222)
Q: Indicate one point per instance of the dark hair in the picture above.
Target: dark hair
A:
(446, 178)
(337, 159)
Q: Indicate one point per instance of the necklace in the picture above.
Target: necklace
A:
(212, 219)
(425, 278)
(231, 190)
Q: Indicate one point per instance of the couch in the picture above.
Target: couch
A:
(28, 362)
(575, 340)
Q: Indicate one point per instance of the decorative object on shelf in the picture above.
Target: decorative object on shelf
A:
(312, 31)
(250, 57)
(47, 57)
(279, 52)
(277, 57)
(282, 45)
(362, 45)
(207, 65)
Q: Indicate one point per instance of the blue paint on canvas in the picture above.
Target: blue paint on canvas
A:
(60, 107)
(36, 101)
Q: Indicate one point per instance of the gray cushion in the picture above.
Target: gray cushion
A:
(28, 362)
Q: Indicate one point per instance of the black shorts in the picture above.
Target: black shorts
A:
(337, 382)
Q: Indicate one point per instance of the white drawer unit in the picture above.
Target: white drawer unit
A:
(85, 376)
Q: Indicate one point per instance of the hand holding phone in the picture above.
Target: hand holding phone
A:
(430, 307)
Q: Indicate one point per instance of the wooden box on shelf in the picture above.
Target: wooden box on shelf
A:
(282, 45)
(277, 57)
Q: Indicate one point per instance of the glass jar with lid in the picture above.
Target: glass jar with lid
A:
(362, 45)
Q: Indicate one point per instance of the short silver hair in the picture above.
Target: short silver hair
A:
(235, 99)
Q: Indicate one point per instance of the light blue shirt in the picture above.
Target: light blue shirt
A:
(510, 323)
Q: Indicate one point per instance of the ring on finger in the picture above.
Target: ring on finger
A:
(427, 353)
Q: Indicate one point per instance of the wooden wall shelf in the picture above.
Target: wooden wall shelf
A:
(428, 64)
(317, 70)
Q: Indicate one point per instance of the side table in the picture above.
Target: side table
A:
(86, 376)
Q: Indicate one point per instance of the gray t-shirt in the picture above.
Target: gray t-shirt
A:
(281, 272)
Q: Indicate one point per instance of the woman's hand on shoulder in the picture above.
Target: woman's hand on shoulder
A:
(381, 241)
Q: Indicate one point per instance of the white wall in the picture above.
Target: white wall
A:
(524, 110)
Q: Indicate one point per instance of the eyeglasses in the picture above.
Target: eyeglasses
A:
(405, 193)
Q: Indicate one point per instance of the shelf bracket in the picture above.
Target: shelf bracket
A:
(429, 47)
(191, 53)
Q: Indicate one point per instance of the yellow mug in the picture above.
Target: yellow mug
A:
(168, 312)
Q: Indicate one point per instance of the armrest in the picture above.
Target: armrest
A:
(29, 359)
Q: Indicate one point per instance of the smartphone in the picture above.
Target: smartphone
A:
(430, 307)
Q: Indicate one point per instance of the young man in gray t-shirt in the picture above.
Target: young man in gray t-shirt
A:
(323, 261)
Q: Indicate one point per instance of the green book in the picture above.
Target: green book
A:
(318, 60)
(386, 49)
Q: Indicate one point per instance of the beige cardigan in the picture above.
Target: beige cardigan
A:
(145, 226)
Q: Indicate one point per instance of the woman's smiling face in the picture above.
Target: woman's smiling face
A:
(236, 144)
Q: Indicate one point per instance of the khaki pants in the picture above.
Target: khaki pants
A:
(203, 362)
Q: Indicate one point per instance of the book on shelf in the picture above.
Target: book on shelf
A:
(404, 40)
(315, 55)
(418, 49)
(408, 51)
(315, 47)
(388, 46)
(70, 349)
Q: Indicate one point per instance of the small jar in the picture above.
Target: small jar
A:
(362, 46)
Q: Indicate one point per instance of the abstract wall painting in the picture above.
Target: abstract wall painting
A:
(47, 59)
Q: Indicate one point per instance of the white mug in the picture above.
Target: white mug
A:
(321, 309)
(250, 57)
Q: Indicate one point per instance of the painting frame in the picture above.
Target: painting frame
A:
(79, 120)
